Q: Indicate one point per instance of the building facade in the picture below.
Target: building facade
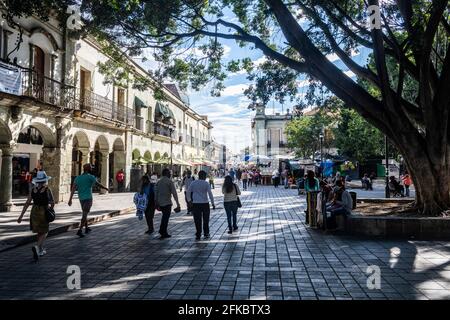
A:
(269, 133)
(57, 113)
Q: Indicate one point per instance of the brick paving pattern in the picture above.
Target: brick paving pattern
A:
(272, 256)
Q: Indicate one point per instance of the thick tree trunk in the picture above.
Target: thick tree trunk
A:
(431, 177)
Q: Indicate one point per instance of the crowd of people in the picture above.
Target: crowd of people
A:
(157, 194)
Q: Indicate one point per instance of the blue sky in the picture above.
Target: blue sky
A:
(229, 113)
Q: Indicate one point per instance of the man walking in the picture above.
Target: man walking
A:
(84, 184)
(187, 180)
(120, 178)
(164, 190)
(198, 193)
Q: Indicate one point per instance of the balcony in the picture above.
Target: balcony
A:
(163, 129)
(23, 82)
(105, 108)
(281, 144)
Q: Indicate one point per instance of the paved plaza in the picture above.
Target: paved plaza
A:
(273, 255)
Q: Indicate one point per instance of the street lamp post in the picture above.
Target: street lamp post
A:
(171, 130)
(321, 135)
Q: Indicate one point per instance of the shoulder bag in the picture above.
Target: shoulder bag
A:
(239, 203)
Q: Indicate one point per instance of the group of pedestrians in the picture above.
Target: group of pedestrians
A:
(154, 195)
(248, 177)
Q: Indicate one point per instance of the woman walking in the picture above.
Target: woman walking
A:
(42, 199)
(148, 188)
(231, 202)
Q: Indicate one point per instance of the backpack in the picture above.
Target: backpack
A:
(141, 201)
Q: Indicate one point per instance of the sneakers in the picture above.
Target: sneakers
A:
(149, 231)
(235, 228)
(206, 236)
(43, 252)
(197, 238)
(87, 230)
(35, 250)
(165, 236)
(80, 233)
(230, 231)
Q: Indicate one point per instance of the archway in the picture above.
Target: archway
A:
(99, 160)
(80, 153)
(149, 160)
(117, 162)
(34, 151)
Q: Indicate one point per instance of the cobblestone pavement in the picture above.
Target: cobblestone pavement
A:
(272, 256)
(12, 233)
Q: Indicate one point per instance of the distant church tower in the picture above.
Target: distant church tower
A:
(260, 130)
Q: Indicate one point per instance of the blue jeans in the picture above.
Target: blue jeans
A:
(231, 209)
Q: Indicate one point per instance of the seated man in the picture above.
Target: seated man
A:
(366, 183)
(395, 187)
(341, 204)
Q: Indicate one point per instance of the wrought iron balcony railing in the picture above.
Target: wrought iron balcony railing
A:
(103, 107)
(25, 82)
(163, 129)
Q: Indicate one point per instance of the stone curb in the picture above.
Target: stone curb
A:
(70, 226)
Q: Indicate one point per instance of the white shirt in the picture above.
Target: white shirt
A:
(187, 182)
(198, 192)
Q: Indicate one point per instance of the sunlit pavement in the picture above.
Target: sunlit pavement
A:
(272, 256)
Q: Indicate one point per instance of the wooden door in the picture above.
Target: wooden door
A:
(85, 89)
(39, 68)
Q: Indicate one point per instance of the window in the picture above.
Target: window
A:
(121, 96)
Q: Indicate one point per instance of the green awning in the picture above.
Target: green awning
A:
(164, 111)
(139, 103)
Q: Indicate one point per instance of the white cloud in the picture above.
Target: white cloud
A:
(302, 83)
(332, 57)
(234, 90)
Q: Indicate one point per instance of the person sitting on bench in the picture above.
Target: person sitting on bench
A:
(395, 187)
(341, 204)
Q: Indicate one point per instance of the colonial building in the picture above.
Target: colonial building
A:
(268, 133)
(57, 113)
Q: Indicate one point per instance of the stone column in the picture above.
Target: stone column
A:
(54, 166)
(85, 153)
(105, 171)
(6, 179)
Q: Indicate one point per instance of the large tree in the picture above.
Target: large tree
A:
(297, 36)
(303, 134)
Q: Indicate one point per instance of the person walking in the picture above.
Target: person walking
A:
(211, 181)
(250, 178)
(256, 177)
(164, 191)
(244, 180)
(198, 194)
(187, 180)
(148, 188)
(120, 178)
(42, 198)
(276, 178)
(239, 175)
(84, 184)
(407, 182)
(231, 192)
(232, 173)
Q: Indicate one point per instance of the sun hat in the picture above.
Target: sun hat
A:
(41, 176)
